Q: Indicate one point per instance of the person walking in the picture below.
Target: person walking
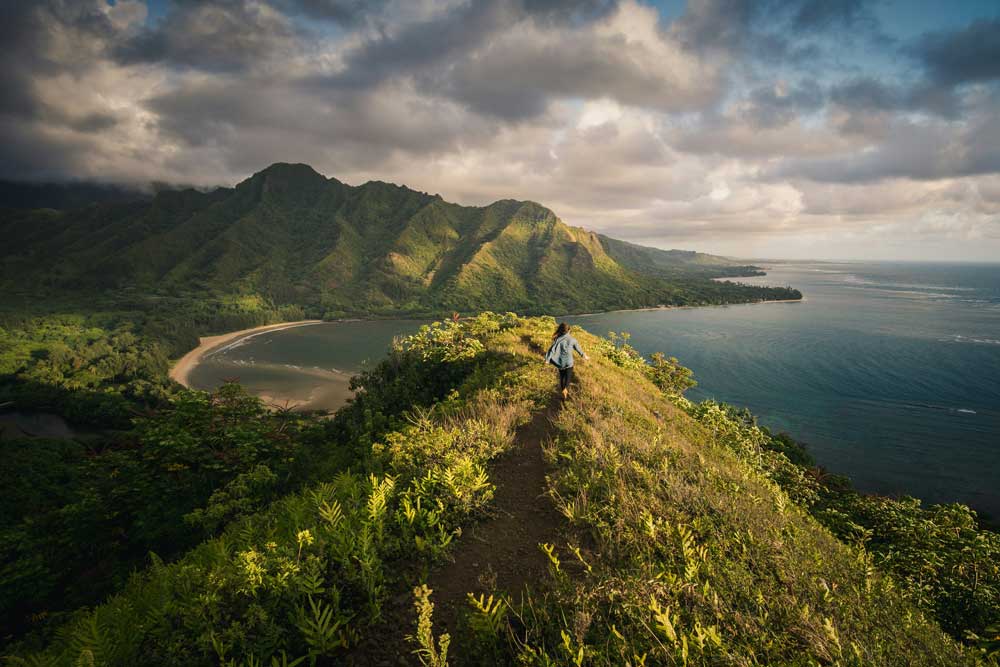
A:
(560, 355)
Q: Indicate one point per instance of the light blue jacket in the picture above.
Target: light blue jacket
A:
(561, 351)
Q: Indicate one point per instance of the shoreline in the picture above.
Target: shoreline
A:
(181, 370)
(707, 305)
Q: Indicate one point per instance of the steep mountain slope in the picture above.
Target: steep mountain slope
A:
(294, 236)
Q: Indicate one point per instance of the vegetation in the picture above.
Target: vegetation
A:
(181, 472)
(308, 573)
(293, 238)
(80, 516)
(185, 528)
(691, 536)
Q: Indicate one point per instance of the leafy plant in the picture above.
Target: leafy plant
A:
(429, 653)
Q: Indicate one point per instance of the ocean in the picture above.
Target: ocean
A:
(889, 372)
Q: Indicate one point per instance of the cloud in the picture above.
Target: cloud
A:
(968, 55)
(867, 94)
(625, 57)
(344, 12)
(824, 14)
(920, 150)
(946, 61)
(221, 35)
(49, 122)
(738, 119)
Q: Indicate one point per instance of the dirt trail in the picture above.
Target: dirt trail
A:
(500, 553)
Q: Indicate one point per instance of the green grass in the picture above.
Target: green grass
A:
(686, 540)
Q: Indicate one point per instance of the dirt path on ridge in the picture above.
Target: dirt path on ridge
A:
(500, 553)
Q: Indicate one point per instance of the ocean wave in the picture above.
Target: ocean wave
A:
(958, 338)
(906, 294)
(893, 286)
(942, 408)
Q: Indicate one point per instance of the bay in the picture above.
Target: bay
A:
(302, 367)
(889, 372)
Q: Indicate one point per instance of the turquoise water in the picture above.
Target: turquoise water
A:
(890, 372)
(306, 367)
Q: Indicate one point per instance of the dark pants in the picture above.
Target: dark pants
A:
(565, 376)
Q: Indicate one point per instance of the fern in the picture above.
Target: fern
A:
(322, 627)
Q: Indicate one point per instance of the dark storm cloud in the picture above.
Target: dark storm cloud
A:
(444, 38)
(962, 56)
(31, 128)
(221, 35)
(26, 31)
(39, 156)
(869, 93)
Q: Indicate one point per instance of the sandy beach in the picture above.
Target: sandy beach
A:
(182, 369)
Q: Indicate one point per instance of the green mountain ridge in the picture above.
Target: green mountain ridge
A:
(294, 236)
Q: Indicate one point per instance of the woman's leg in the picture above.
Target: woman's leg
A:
(565, 375)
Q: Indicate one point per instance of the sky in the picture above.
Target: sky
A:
(825, 129)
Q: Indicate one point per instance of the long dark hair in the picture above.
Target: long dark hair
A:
(561, 330)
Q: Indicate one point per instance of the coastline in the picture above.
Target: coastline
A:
(181, 370)
(708, 305)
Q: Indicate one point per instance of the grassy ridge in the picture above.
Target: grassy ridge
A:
(684, 551)
(683, 543)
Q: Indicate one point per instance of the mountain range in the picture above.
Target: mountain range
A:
(295, 236)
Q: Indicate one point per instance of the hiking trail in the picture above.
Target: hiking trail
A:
(500, 553)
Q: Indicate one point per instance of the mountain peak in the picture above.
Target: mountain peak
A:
(290, 171)
(290, 182)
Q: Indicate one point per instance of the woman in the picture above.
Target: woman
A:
(560, 355)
